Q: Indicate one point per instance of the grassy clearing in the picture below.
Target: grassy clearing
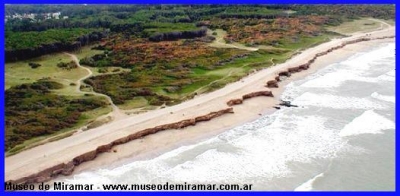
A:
(16, 72)
(109, 70)
(306, 42)
(391, 22)
(219, 41)
(19, 72)
(137, 102)
(361, 25)
(225, 71)
(199, 82)
(93, 114)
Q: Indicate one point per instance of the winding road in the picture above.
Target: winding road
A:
(116, 113)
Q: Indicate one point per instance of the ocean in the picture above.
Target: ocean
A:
(341, 137)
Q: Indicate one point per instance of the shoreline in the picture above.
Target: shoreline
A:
(103, 161)
(48, 155)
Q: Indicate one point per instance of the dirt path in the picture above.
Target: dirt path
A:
(272, 61)
(382, 23)
(116, 113)
(223, 78)
(219, 42)
(229, 74)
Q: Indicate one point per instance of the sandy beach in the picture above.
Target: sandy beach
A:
(42, 157)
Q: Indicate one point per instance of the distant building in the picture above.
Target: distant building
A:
(43, 16)
(56, 15)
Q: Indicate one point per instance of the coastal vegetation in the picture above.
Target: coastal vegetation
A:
(150, 55)
(33, 110)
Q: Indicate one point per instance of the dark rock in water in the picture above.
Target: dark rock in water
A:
(287, 104)
(277, 107)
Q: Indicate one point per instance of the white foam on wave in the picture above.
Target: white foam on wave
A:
(367, 123)
(355, 68)
(261, 153)
(336, 102)
(376, 95)
(391, 73)
(363, 61)
(336, 79)
(389, 76)
(144, 171)
(247, 128)
(291, 91)
(93, 176)
(308, 185)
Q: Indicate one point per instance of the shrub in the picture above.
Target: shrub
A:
(67, 66)
(103, 70)
(87, 61)
(34, 65)
(155, 101)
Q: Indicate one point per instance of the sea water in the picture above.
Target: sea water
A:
(341, 137)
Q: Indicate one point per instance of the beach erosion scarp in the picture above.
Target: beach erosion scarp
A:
(66, 165)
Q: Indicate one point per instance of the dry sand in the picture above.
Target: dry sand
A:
(41, 157)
